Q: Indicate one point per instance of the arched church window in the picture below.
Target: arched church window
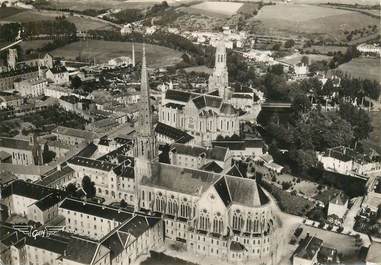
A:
(217, 223)
(237, 220)
(204, 220)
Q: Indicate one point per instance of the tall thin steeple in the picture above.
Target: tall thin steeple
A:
(219, 79)
(145, 126)
(133, 54)
(145, 140)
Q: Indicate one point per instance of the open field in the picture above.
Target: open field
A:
(82, 23)
(348, 2)
(363, 67)
(102, 4)
(9, 11)
(33, 44)
(310, 20)
(103, 51)
(32, 15)
(218, 9)
(199, 69)
(296, 58)
(325, 49)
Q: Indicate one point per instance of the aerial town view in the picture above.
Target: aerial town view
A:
(190, 132)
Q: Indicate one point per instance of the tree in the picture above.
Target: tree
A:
(358, 118)
(289, 44)
(276, 47)
(164, 155)
(123, 203)
(277, 69)
(305, 60)
(301, 105)
(76, 82)
(88, 186)
(71, 189)
(304, 159)
(47, 155)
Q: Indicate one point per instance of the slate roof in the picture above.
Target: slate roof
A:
(81, 251)
(195, 182)
(125, 171)
(55, 175)
(223, 191)
(179, 95)
(308, 247)
(48, 243)
(174, 106)
(114, 244)
(75, 132)
(212, 167)
(215, 153)
(86, 162)
(189, 150)
(246, 192)
(232, 145)
(138, 225)
(4, 155)
(58, 69)
(15, 143)
(228, 109)
(48, 201)
(183, 180)
(236, 246)
(340, 199)
(207, 101)
(235, 172)
(173, 133)
(94, 209)
(26, 189)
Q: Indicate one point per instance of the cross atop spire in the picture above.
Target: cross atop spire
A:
(145, 126)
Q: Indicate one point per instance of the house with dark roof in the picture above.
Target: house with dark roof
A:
(338, 205)
(58, 75)
(73, 136)
(242, 148)
(347, 161)
(22, 152)
(37, 203)
(103, 219)
(112, 174)
(307, 251)
(60, 248)
(197, 157)
(167, 134)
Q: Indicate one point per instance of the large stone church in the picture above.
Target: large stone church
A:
(213, 214)
(206, 116)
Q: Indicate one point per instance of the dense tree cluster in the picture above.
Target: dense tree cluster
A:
(9, 31)
(55, 44)
(59, 27)
(340, 58)
(54, 115)
(89, 187)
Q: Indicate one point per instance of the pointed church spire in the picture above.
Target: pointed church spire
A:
(145, 126)
(133, 54)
